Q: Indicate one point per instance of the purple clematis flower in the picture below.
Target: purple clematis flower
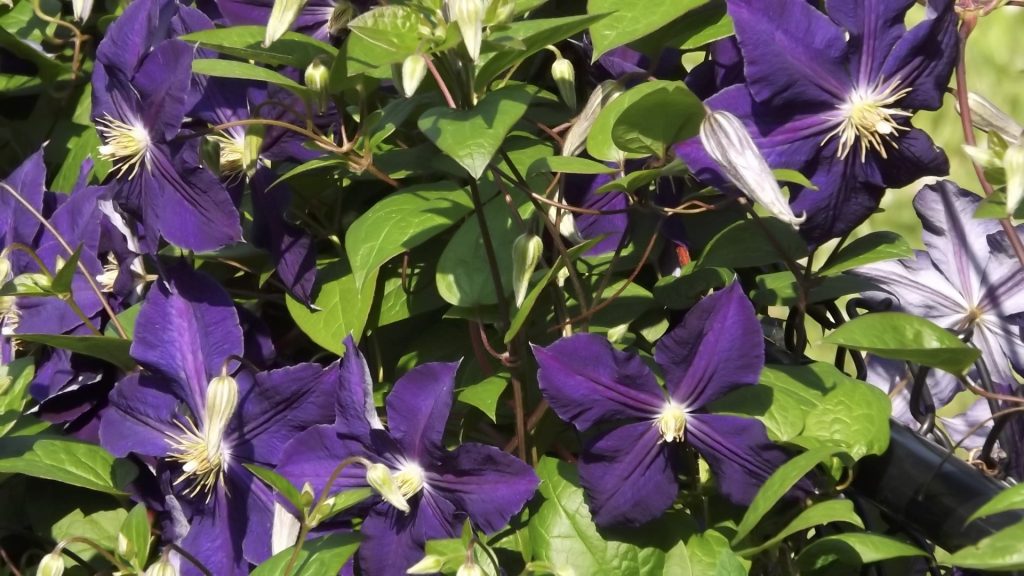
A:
(140, 97)
(196, 426)
(441, 487)
(628, 469)
(321, 19)
(832, 96)
(967, 280)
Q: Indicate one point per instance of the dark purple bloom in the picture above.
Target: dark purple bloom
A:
(197, 430)
(140, 97)
(321, 19)
(442, 487)
(832, 96)
(628, 467)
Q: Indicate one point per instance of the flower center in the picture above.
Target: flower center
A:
(201, 452)
(108, 278)
(125, 145)
(868, 119)
(671, 423)
(232, 154)
(10, 316)
(409, 480)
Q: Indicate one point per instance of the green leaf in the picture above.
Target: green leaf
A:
(532, 35)
(65, 460)
(1011, 498)
(415, 294)
(100, 527)
(127, 319)
(1001, 551)
(472, 137)
(780, 288)
(484, 395)
(568, 165)
(341, 307)
(564, 536)
(818, 514)
(854, 549)
(246, 42)
(395, 28)
(113, 350)
(344, 500)
(14, 380)
(279, 483)
(683, 291)
(777, 485)
(645, 128)
(792, 176)
(463, 273)
(747, 244)
(601, 143)
(853, 416)
(136, 532)
(873, 247)
(402, 221)
(318, 557)
(630, 21)
(62, 279)
(710, 554)
(901, 336)
(246, 71)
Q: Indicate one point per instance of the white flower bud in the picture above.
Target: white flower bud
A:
(730, 145)
(5, 268)
(81, 9)
(124, 546)
(564, 76)
(430, 564)
(526, 251)
(342, 14)
(221, 401)
(414, 70)
(1013, 164)
(378, 476)
(576, 137)
(987, 117)
(317, 79)
(51, 565)
(161, 567)
(282, 16)
(469, 15)
(469, 569)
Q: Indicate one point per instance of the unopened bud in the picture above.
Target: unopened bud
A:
(565, 80)
(469, 14)
(730, 145)
(161, 567)
(566, 223)
(124, 546)
(500, 11)
(469, 569)
(987, 117)
(5, 268)
(51, 565)
(221, 401)
(343, 13)
(526, 251)
(576, 137)
(414, 70)
(1013, 164)
(282, 16)
(317, 79)
(306, 496)
(81, 9)
(378, 476)
(983, 156)
(430, 564)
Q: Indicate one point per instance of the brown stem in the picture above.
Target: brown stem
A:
(966, 28)
(440, 82)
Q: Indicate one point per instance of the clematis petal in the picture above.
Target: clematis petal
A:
(875, 26)
(132, 35)
(956, 241)
(919, 287)
(793, 54)
(291, 247)
(312, 20)
(582, 191)
(738, 452)
(393, 541)
(185, 332)
(314, 454)
(1003, 283)
(355, 413)
(418, 408)
(916, 157)
(141, 417)
(1002, 347)
(278, 405)
(723, 69)
(255, 503)
(842, 201)
(162, 84)
(587, 381)
(29, 181)
(215, 536)
(484, 482)
(964, 428)
(628, 475)
(924, 58)
(717, 348)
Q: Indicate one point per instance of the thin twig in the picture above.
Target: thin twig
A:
(440, 82)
